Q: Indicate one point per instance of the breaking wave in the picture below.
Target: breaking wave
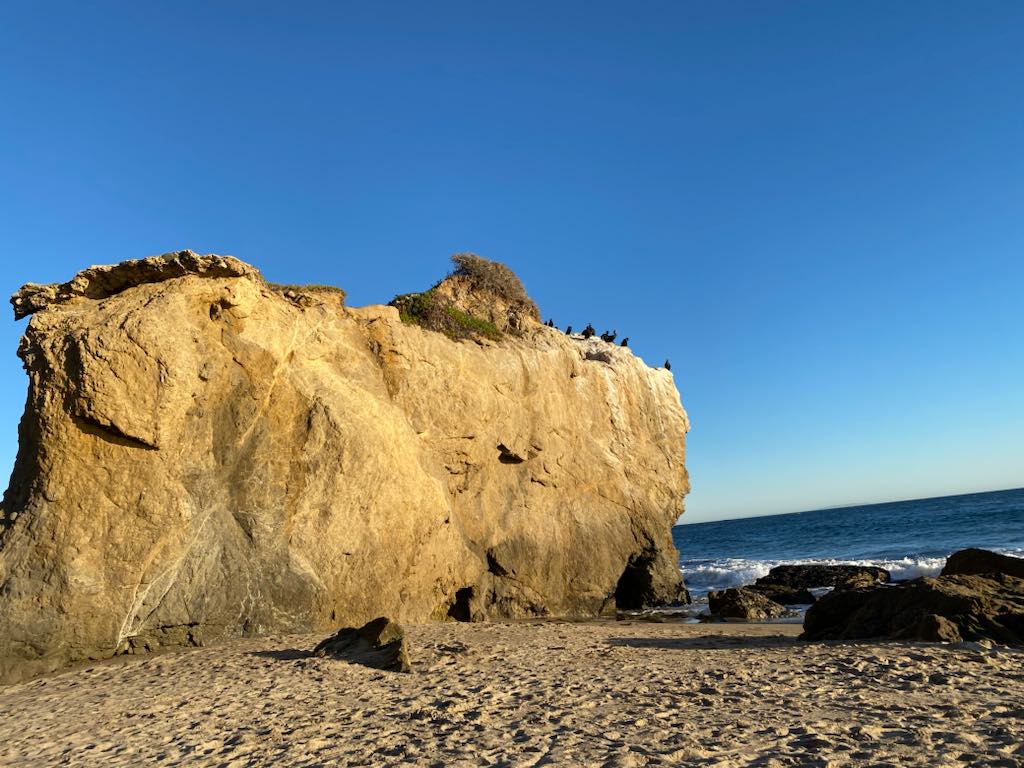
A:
(703, 576)
(908, 538)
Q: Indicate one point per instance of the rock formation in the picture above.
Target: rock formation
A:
(946, 608)
(203, 455)
(783, 594)
(810, 575)
(379, 643)
(977, 561)
(744, 603)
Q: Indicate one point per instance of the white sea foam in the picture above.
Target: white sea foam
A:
(703, 576)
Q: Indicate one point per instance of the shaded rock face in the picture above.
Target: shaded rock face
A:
(976, 561)
(744, 603)
(784, 595)
(801, 577)
(202, 456)
(946, 608)
(379, 643)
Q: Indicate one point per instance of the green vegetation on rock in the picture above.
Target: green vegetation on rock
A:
(473, 325)
(494, 277)
(428, 310)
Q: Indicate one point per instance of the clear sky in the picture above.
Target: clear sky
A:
(815, 209)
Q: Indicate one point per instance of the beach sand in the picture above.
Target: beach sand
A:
(608, 693)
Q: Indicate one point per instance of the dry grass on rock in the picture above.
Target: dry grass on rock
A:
(478, 299)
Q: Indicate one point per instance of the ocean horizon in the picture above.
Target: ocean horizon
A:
(908, 538)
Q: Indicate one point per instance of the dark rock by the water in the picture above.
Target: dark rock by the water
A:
(744, 603)
(784, 595)
(379, 643)
(837, 576)
(974, 561)
(946, 608)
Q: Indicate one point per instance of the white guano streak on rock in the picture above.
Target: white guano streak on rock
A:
(170, 574)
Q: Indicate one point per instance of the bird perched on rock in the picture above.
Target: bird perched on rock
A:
(550, 323)
(611, 336)
(588, 331)
(568, 331)
(668, 365)
(625, 342)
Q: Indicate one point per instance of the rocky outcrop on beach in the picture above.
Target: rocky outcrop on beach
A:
(945, 608)
(790, 585)
(203, 455)
(380, 643)
(744, 603)
(811, 575)
(977, 561)
(783, 594)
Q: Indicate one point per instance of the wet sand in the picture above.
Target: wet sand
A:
(532, 694)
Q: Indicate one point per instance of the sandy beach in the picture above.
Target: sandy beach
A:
(624, 693)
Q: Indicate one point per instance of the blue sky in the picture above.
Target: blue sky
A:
(813, 208)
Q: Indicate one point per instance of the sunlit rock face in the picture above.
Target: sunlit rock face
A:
(203, 455)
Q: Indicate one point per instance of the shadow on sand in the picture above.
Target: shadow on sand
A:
(287, 654)
(706, 642)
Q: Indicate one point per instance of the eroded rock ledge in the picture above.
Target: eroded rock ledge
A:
(105, 281)
(202, 456)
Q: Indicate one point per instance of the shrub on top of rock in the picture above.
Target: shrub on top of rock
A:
(479, 299)
(430, 310)
(494, 277)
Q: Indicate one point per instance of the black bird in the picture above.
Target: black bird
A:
(625, 342)
(604, 336)
(611, 336)
(550, 323)
(668, 365)
(588, 331)
(568, 331)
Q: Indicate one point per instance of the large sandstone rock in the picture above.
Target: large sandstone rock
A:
(976, 561)
(946, 608)
(204, 455)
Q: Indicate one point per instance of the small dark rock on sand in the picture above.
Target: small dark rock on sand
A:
(744, 603)
(379, 643)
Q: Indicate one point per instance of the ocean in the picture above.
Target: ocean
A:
(909, 538)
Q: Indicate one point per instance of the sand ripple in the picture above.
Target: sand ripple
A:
(595, 694)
